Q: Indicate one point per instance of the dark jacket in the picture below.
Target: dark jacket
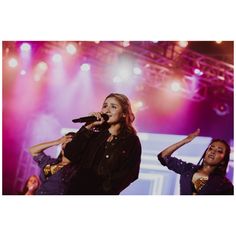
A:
(216, 184)
(103, 168)
(57, 183)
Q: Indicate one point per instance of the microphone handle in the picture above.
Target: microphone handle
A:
(90, 119)
(85, 119)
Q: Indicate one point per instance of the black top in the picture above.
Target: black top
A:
(103, 168)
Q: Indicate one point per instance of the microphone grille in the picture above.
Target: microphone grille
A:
(105, 117)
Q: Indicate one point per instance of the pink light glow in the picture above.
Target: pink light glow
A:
(175, 86)
(183, 44)
(57, 58)
(71, 49)
(13, 62)
(25, 47)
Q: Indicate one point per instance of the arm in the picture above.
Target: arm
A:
(39, 148)
(172, 148)
(75, 149)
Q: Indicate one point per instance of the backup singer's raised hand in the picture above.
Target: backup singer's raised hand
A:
(172, 148)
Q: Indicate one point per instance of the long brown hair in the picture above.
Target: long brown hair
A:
(222, 166)
(126, 123)
(25, 188)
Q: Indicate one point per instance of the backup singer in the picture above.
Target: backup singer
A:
(56, 173)
(208, 176)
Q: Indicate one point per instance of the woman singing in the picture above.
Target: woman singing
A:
(107, 153)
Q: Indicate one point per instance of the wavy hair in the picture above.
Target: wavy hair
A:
(25, 188)
(126, 122)
(222, 166)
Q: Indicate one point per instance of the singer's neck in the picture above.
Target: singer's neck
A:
(114, 129)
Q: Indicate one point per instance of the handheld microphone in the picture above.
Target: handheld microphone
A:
(90, 119)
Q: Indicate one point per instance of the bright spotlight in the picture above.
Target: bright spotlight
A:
(25, 47)
(219, 42)
(137, 71)
(85, 67)
(13, 62)
(221, 108)
(198, 72)
(117, 80)
(23, 72)
(183, 44)
(138, 104)
(42, 66)
(37, 77)
(57, 58)
(71, 49)
(125, 44)
(124, 73)
(175, 86)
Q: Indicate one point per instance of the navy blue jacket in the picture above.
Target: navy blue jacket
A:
(216, 184)
(57, 183)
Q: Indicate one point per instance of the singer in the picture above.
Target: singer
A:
(107, 153)
(208, 176)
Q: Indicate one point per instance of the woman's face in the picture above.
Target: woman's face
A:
(113, 109)
(215, 153)
(32, 183)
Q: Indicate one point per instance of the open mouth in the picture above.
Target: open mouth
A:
(211, 157)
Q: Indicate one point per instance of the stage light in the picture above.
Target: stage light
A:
(13, 63)
(175, 86)
(37, 77)
(183, 44)
(23, 72)
(71, 49)
(57, 58)
(125, 44)
(25, 47)
(117, 80)
(138, 104)
(137, 71)
(42, 66)
(85, 67)
(124, 72)
(198, 72)
(97, 42)
(221, 77)
(221, 108)
(218, 42)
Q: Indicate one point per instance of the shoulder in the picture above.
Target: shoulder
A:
(133, 138)
(41, 157)
(224, 184)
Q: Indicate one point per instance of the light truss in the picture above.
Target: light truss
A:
(161, 61)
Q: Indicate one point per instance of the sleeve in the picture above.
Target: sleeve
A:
(129, 170)
(76, 147)
(175, 164)
(42, 159)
